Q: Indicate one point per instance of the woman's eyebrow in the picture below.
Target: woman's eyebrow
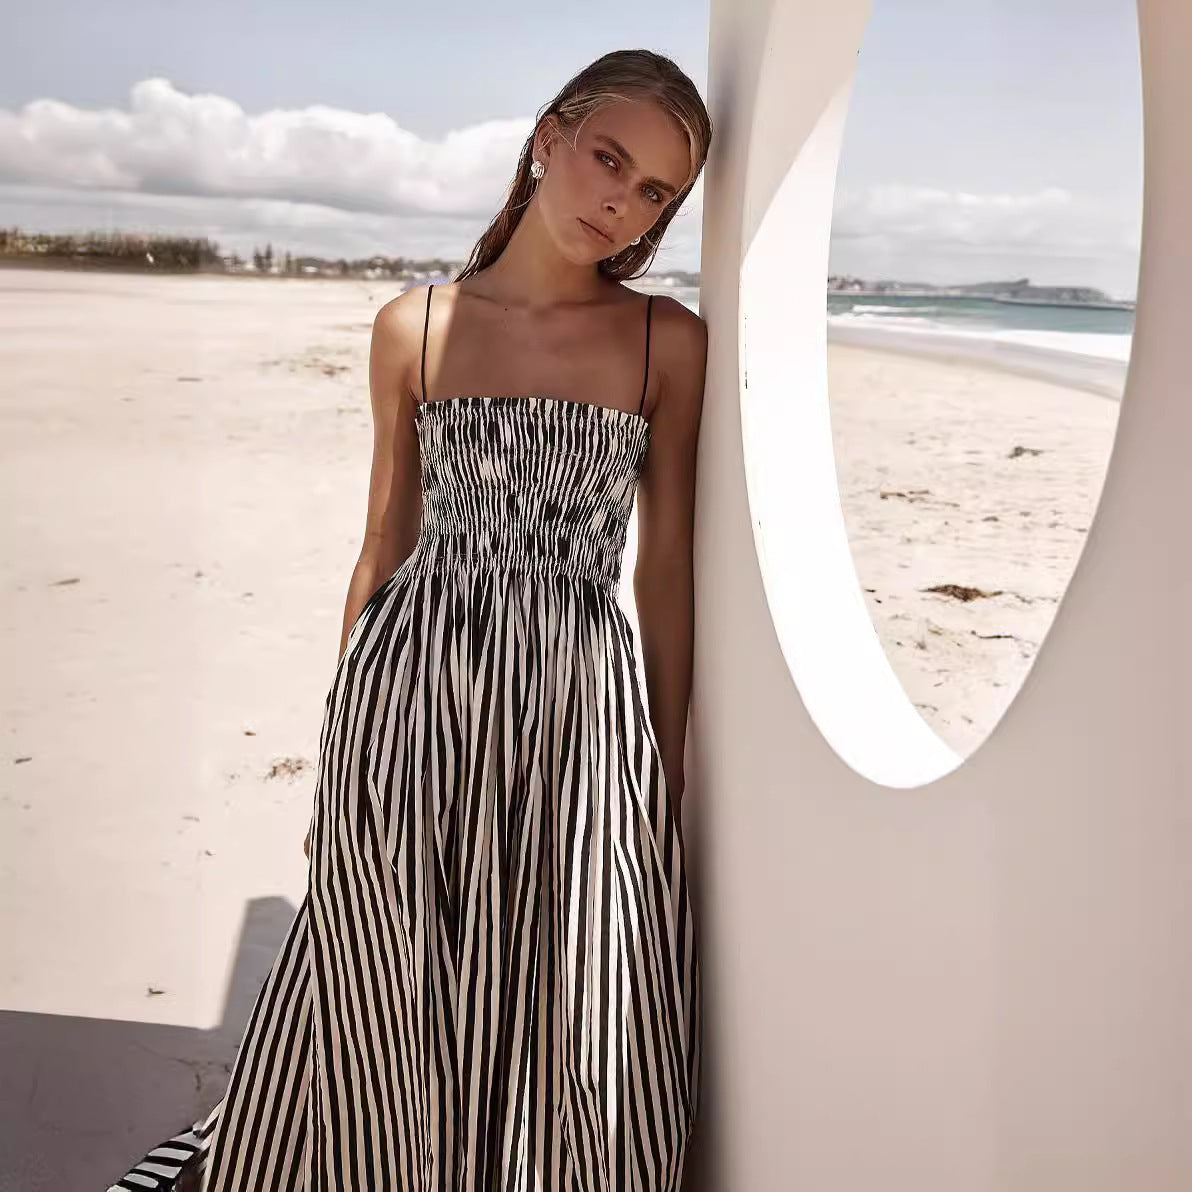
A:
(661, 183)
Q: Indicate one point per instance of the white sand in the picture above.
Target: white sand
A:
(963, 475)
(176, 564)
(185, 478)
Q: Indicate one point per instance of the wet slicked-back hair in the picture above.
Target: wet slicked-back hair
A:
(619, 75)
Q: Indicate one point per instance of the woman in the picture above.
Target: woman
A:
(492, 980)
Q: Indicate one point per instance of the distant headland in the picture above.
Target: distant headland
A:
(1018, 292)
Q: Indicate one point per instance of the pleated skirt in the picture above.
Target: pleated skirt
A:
(492, 980)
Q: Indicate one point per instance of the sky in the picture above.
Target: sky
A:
(987, 139)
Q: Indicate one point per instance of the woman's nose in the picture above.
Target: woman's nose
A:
(616, 202)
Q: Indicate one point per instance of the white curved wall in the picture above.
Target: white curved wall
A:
(982, 983)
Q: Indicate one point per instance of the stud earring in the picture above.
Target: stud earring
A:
(537, 169)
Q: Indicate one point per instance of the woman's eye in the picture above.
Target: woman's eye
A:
(656, 197)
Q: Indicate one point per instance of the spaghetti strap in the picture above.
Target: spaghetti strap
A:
(646, 378)
(425, 326)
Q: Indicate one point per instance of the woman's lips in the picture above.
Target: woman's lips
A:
(594, 232)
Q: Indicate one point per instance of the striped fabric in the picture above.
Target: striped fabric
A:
(492, 981)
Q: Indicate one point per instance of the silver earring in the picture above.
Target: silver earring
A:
(636, 240)
(537, 169)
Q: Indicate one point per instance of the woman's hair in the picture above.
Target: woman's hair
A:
(619, 75)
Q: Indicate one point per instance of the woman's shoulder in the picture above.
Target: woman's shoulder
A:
(679, 351)
(409, 303)
(669, 318)
(403, 319)
(666, 312)
(677, 314)
(397, 340)
(682, 333)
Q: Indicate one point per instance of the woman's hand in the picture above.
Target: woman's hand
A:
(306, 843)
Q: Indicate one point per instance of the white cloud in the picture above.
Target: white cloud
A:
(169, 143)
(1054, 221)
(316, 179)
(930, 234)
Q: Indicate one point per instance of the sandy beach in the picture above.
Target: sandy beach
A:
(185, 477)
(980, 483)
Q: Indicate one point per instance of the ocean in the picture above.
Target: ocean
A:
(1084, 331)
(1083, 347)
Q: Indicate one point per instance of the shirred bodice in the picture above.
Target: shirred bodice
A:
(528, 483)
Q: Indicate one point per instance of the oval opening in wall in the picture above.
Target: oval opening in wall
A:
(924, 460)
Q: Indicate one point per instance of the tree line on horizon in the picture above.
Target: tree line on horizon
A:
(123, 249)
(173, 254)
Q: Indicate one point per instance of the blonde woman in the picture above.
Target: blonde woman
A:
(492, 982)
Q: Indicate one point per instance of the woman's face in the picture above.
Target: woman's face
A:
(629, 162)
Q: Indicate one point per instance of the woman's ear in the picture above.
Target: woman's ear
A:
(548, 130)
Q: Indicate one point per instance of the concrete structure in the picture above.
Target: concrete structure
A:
(922, 976)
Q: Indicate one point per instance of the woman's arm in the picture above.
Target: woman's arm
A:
(395, 484)
(394, 513)
(662, 579)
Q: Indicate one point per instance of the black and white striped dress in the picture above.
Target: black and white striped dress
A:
(491, 983)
